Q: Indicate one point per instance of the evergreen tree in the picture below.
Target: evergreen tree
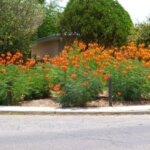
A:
(102, 21)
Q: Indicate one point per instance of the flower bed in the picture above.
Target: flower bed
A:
(78, 75)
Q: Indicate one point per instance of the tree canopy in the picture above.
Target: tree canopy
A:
(102, 21)
(143, 30)
(41, 1)
(19, 21)
(51, 19)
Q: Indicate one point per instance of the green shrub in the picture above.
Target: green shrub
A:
(129, 82)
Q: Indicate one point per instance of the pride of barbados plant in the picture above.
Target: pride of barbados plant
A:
(76, 75)
(83, 74)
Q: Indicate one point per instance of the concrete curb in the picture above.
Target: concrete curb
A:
(89, 110)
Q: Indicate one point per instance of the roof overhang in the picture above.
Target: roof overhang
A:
(48, 38)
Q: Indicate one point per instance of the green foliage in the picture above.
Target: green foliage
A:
(132, 84)
(78, 90)
(14, 75)
(38, 85)
(140, 33)
(133, 36)
(77, 94)
(102, 21)
(19, 21)
(143, 30)
(28, 84)
(50, 22)
(77, 77)
(41, 1)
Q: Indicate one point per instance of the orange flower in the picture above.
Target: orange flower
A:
(78, 58)
(19, 55)
(147, 64)
(148, 77)
(37, 57)
(3, 61)
(99, 64)
(87, 67)
(85, 83)
(57, 87)
(73, 76)
(47, 56)
(94, 73)
(71, 58)
(128, 68)
(74, 62)
(46, 69)
(95, 58)
(51, 86)
(119, 94)
(124, 72)
(47, 77)
(24, 67)
(64, 68)
(106, 63)
(75, 42)
(9, 54)
(2, 55)
(45, 59)
(100, 71)
(21, 61)
(3, 70)
(8, 57)
(106, 77)
(84, 61)
(8, 62)
(62, 92)
(85, 73)
(77, 66)
(67, 48)
(119, 58)
(87, 59)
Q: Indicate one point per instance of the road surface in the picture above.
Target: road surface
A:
(83, 132)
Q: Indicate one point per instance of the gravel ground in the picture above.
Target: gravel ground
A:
(97, 103)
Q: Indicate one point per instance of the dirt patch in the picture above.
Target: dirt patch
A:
(98, 103)
(40, 103)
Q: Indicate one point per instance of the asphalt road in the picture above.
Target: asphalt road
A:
(74, 132)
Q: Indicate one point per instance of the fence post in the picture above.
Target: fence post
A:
(110, 90)
(9, 94)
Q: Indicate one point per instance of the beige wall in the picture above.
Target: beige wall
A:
(45, 48)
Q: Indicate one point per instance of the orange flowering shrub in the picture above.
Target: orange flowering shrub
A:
(128, 66)
(77, 75)
(19, 84)
(26, 82)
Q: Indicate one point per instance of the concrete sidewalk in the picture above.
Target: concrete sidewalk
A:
(88, 110)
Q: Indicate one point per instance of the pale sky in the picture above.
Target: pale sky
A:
(137, 9)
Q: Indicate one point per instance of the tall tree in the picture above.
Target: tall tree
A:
(143, 32)
(19, 21)
(102, 21)
(51, 20)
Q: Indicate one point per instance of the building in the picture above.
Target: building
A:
(51, 45)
